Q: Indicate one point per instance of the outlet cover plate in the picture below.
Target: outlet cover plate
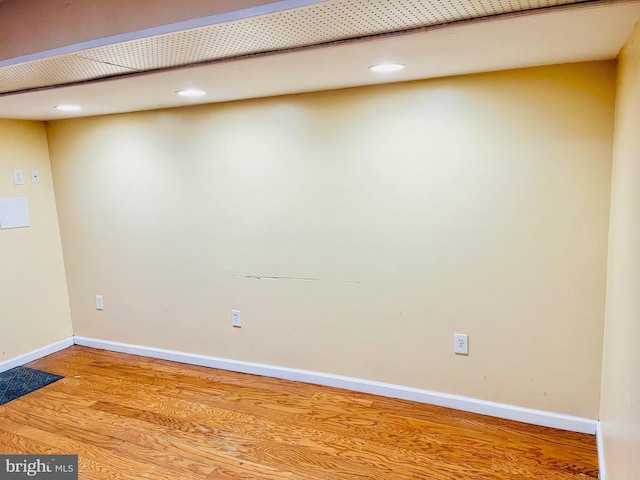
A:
(236, 318)
(461, 343)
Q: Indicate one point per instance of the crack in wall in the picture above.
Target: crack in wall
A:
(306, 279)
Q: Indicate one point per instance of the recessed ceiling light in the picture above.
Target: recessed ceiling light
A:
(68, 108)
(190, 92)
(386, 67)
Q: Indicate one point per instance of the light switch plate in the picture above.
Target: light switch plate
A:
(236, 318)
(18, 177)
(35, 176)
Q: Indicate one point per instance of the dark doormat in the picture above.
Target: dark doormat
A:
(19, 381)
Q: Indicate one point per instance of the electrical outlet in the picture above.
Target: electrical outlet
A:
(461, 343)
(99, 303)
(236, 318)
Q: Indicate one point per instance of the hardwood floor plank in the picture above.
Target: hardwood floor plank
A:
(131, 417)
(179, 405)
(14, 444)
(515, 470)
(438, 465)
(166, 464)
(114, 432)
(553, 456)
(239, 473)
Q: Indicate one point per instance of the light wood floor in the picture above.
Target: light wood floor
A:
(135, 418)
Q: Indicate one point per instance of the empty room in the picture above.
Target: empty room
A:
(323, 240)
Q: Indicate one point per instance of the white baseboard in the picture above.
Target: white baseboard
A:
(36, 354)
(600, 446)
(500, 410)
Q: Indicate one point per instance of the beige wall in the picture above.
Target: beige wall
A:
(476, 204)
(620, 411)
(34, 305)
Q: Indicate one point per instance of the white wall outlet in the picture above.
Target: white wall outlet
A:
(461, 343)
(99, 303)
(35, 176)
(236, 318)
(18, 177)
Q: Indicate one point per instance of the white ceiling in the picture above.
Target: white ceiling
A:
(589, 31)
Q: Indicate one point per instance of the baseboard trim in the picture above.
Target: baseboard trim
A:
(600, 446)
(36, 354)
(500, 410)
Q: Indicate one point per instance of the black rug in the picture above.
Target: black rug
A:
(19, 381)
